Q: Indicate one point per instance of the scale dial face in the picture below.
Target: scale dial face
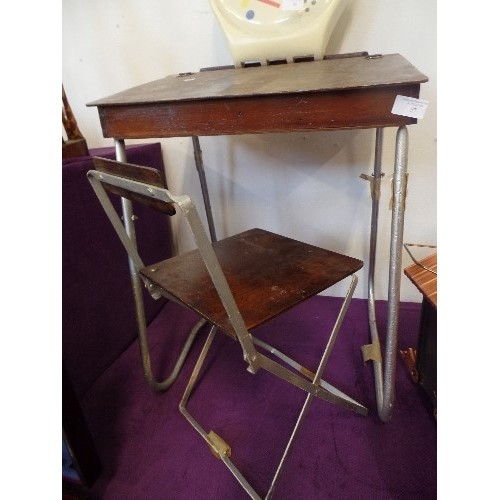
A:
(264, 14)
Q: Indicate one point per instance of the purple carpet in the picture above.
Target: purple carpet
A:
(149, 451)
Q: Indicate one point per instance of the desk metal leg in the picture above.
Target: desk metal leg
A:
(385, 384)
(198, 158)
(128, 222)
(375, 194)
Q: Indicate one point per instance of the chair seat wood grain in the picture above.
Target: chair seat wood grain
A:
(267, 274)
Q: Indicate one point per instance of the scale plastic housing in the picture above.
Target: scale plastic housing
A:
(270, 30)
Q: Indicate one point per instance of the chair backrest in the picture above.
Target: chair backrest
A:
(145, 186)
(139, 173)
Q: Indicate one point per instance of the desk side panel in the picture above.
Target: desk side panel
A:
(359, 108)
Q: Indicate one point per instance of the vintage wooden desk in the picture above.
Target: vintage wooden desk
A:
(347, 91)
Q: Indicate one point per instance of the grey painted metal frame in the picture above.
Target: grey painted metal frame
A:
(198, 158)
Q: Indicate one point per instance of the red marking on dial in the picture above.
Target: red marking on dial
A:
(271, 2)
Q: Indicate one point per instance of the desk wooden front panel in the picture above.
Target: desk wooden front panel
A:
(354, 108)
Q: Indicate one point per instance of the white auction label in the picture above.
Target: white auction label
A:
(292, 5)
(409, 106)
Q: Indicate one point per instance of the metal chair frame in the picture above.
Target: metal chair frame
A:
(295, 373)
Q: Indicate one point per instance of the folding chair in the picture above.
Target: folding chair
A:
(236, 284)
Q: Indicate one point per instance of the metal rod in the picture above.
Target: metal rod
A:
(385, 374)
(196, 370)
(183, 409)
(397, 227)
(128, 222)
(218, 279)
(377, 176)
(316, 380)
(198, 158)
(335, 331)
(303, 413)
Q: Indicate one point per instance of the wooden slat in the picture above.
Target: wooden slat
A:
(425, 281)
(266, 273)
(139, 173)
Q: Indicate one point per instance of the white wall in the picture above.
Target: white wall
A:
(306, 186)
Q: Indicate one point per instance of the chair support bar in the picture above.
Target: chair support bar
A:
(303, 370)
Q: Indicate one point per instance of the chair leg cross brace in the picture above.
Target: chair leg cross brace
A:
(316, 387)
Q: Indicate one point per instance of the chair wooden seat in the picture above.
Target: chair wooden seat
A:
(267, 274)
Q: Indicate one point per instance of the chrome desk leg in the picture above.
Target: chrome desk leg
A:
(397, 227)
(385, 383)
(204, 188)
(128, 222)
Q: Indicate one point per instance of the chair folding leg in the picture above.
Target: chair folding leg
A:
(216, 444)
(317, 387)
(344, 400)
(341, 398)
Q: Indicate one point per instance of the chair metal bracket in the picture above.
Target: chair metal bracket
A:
(218, 446)
(375, 181)
(371, 352)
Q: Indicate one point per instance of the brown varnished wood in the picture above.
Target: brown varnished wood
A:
(340, 93)
(425, 281)
(267, 274)
(75, 145)
(248, 115)
(139, 173)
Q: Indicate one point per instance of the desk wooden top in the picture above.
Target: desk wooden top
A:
(425, 281)
(356, 91)
(314, 76)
